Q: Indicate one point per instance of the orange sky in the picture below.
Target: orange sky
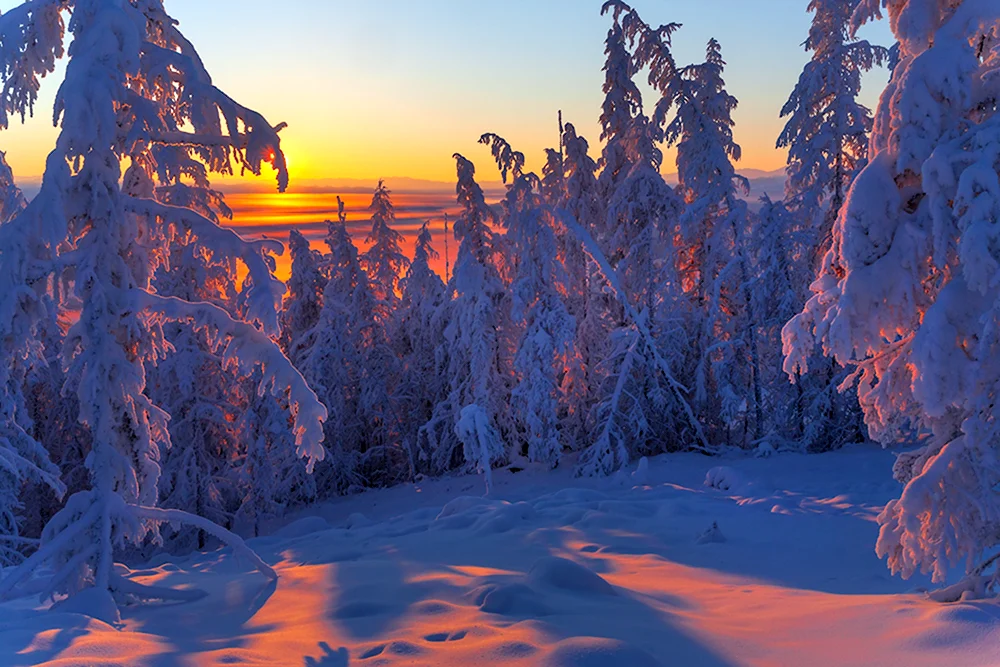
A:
(271, 214)
(395, 92)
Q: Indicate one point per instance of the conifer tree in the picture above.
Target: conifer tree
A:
(304, 301)
(12, 200)
(907, 293)
(479, 373)
(384, 261)
(538, 306)
(827, 130)
(420, 331)
(113, 244)
(711, 265)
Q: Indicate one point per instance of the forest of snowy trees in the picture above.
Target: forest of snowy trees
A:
(161, 389)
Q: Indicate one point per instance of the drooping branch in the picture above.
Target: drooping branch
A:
(265, 290)
(240, 547)
(249, 346)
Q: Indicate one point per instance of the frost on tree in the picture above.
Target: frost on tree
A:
(908, 291)
(538, 306)
(82, 228)
(384, 261)
(827, 129)
(479, 365)
(420, 323)
(304, 299)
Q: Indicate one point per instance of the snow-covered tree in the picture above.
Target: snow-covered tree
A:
(587, 301)
(332, 357)
(622, 104)
(12, 200)
(711, 266)
(616, 418)
(538, 306)
(419, 332)
(203, 395)
(811, 413)
(384, 261)
(113, 243)
(270, 478)
(477, 349)
(304, 300)
(22, 458)
(827, 130)
(908, 289)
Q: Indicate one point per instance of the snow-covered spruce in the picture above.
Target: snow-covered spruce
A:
(479, 366)
(538, 307)
(420, 324)
(712, 232)
(384, 261)
(827, 129)
(304, 300)
(82, 221)
(908, 289)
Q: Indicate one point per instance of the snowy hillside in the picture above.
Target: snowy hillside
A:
(622, 572)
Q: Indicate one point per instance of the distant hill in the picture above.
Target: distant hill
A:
(771, 183)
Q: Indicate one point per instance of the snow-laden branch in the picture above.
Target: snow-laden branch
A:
(53, 546)
(265, 291)
(611, 277)
(257, 143)
(31, 40)
(249, 346)
(240, 547)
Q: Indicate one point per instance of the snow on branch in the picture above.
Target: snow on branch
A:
(507, 159)
(31, 40)
(249, 346)
(252, 139)
(240, 547)
(611, 277)
(265, 291)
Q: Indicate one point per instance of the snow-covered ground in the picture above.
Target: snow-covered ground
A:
(552, 571)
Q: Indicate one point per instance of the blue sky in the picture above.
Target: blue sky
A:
(393, 88)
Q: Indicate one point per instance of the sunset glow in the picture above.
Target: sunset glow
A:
(454, 333)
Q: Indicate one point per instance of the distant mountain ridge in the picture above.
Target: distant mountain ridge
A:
(762, 182)
(770, 182)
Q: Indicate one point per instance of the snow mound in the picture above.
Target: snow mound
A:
(597, 652)
(725, 478)
(512, 600)
(97, 604)
(568, 576)
(712, 535)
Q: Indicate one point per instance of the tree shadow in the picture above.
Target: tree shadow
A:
(216, 622)
(375, 594)
(15, 652)
(329, 658)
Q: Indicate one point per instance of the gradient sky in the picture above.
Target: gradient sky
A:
(393, 88)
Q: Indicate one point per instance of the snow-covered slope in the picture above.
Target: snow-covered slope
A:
(769, 563)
